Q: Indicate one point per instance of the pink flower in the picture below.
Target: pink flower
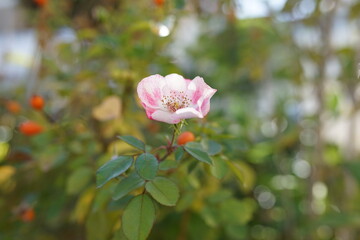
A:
(172, 98)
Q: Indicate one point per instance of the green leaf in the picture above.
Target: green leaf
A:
(119, 235)
(112, 169)
(236, 231)
(244, 173)
(138, 218)
(212, 147)
(128, 184)
(98, 225)
(219, 168)
(195, 150)
(168, 164)
(337, 219)
(179, 153)
(102, 197)
(198, 229)
(354, 169)
(163, 190)
(234, 211)
(146, 166)
(260, 152)
(120, 204)
(219, 196)
(239, 175)
(210, 215)
(78, 180)
(133, 141)
(185, 201)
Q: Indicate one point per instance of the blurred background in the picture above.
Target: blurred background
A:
(286, 113)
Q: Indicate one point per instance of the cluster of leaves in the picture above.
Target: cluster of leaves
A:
(150, 178)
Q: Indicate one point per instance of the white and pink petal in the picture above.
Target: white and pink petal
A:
(188, 112)
(150, 90)
(164, 116)
(200, 91)
(175, 82)
(172, 98)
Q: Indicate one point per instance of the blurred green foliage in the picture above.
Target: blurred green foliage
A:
(278, 171)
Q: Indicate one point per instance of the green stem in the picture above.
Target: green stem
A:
(170, 147)
(173, 135)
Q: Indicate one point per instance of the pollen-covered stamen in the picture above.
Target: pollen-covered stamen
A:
(175, 101)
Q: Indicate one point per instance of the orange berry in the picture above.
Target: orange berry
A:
(30, 128)
(185, 137)
(28, 215)
(159, 3)
(40, 3)
(37, 102)
(13, 106)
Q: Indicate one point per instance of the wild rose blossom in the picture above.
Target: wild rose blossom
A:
(172, 98)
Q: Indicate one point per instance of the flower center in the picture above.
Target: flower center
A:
(175, 101)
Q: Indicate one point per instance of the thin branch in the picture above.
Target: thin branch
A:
(170, 148)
